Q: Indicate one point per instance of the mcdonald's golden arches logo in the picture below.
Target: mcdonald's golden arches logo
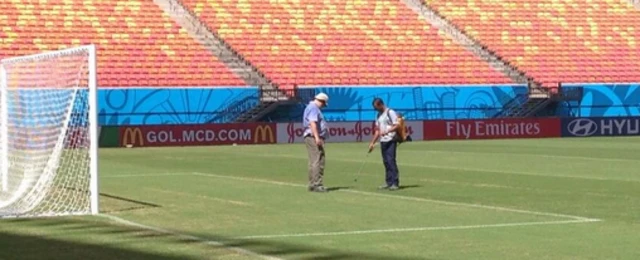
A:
(263, 135)
(132, 136)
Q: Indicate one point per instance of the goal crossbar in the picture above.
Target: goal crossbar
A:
(44, 55)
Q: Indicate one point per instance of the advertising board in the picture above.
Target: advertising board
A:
(340, 132)
(492, 128)
(190, 135)
(600, 126)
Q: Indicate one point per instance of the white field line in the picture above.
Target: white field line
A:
(528, 155)
(417, 229)
(187, 237)
(179, 193)
(470, 205)
(442, 202)
(146, 175)
(573, 219)
(466, 169)
(495, 186)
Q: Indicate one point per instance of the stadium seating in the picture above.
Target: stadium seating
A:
(555, 41)
(335, 42)
(138, 45)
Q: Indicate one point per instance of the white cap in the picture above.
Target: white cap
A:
(323, 97)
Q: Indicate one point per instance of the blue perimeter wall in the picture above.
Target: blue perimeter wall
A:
(354, 103)
(603, 100)
(152, 106)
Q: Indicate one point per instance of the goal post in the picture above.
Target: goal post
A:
(49, 134)
(4, 152)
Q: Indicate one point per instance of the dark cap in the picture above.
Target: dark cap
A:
(377, 101)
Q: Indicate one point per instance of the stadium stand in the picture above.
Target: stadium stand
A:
(342, 42)
(335, 42)
(138, 45)
(555, 41)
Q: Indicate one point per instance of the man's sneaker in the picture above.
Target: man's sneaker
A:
(394, 187)
(384, 187)
(319, 189)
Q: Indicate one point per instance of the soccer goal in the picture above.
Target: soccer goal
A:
(49, 134)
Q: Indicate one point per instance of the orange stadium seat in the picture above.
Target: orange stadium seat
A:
(138, 45)
(555, 41)
(317, 42)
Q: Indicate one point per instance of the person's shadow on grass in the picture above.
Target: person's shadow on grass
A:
(338, 188)
(402, 187)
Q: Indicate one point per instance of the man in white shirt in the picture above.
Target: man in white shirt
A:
(315, 132)
(386, 126)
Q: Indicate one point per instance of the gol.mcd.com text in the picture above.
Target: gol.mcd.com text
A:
(197, 136)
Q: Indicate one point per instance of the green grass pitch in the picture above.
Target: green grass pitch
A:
(499, 199)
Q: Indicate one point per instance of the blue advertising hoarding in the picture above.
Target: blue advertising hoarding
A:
(600, 126)
(415, 102)
(201, 105)
(601, 100)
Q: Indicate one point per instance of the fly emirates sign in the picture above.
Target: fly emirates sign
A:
(492, 129)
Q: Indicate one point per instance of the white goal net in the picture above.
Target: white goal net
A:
(48, 134)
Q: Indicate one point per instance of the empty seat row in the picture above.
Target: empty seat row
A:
(552, 40)
(337, 36)
(155, 40)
